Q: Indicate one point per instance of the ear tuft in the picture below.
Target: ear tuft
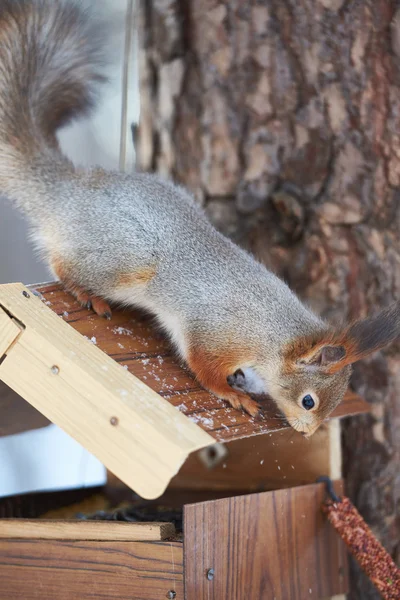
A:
(366, 336)
(333, 350)
(374, 333)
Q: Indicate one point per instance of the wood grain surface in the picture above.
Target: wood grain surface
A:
(46, 529)
(67, 570)
(264, 463)
(132, 341)
(270, 546)
(9, 331)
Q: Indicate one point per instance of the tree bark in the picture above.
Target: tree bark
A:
(283, 118)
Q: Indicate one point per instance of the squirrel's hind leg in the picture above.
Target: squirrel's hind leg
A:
(85, 298)
(95, 303)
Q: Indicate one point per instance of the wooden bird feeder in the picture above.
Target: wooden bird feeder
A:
(116, 387)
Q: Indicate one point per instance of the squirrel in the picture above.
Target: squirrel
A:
(138, 240)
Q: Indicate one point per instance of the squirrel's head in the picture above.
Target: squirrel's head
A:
(313, 373)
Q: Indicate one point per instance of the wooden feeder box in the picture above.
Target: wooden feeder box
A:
(252, 522)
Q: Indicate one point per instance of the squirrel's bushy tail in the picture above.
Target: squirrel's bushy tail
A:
(50, 65)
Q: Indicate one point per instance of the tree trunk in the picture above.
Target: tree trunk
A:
(283, 117)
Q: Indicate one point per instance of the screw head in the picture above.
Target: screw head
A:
(171, 595)
(25, 293)
(210, 574)
(114, 421)
(55, 370)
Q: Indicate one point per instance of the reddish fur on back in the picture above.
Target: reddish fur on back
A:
(142, 276)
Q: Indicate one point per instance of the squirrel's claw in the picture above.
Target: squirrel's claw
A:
(100, 307)
(95, 303)
(241, 401)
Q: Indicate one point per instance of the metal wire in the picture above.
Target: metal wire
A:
(329, 488)
(129, 28)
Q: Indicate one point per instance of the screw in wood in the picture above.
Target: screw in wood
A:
(171, 595)
(210, 574)
(55, 370)
(114, 421)
(25, 293)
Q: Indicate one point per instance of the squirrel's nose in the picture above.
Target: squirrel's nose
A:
(307, 434)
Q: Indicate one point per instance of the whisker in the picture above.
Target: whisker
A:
(283, 419)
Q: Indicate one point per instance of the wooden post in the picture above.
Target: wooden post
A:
(270, 545)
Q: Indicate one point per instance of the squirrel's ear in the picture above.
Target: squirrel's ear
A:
(324, 356)
(357, 341)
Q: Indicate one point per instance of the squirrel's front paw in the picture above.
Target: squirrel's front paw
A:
(212, 372)
(243, 402)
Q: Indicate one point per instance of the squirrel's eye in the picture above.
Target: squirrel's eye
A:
(308, 402)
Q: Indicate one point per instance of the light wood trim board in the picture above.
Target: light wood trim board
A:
(85, 530)
(9, 332)
(132, 430)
